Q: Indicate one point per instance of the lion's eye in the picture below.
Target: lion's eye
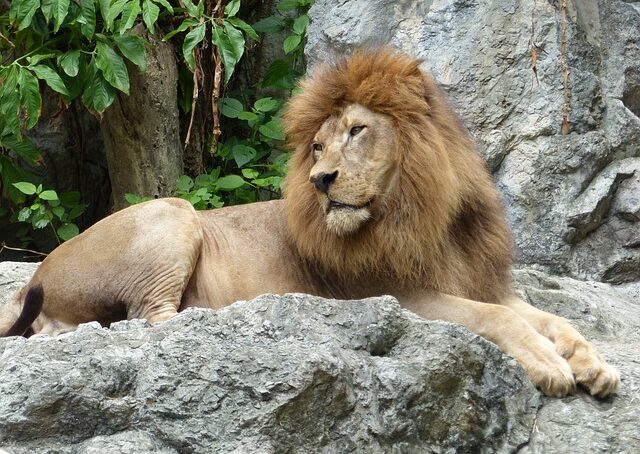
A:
(356, 130)
(315, 146)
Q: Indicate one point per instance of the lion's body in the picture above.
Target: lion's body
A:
(385, 195)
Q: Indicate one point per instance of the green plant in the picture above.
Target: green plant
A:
(249, 166)
(79, 50)
(46, 208)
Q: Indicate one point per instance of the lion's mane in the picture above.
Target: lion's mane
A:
(442, 226)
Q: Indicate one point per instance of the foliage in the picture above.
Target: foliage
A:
(79, 50)
(49, 209)
(250, 165)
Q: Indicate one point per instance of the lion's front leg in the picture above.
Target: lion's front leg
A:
(504, 327)
(588, 366)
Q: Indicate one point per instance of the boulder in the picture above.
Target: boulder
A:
(571, 199)
(292, 373)
(298, 373)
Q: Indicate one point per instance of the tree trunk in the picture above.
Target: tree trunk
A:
(141, 131)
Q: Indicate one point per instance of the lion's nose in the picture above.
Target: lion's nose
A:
(322, 180)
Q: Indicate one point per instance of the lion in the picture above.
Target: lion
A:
(385, 195)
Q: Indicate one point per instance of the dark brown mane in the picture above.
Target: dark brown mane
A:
(442, 226)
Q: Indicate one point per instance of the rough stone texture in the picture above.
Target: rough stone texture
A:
(277, 374)
(609, 316)
(303, 374)
(572, 200)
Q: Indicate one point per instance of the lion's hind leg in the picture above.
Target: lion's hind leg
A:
(588, 366)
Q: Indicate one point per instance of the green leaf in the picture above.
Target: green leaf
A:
(150, 13)
(193, 10)
(60, 13)
(291, 43)
(269, 181)
(25, 187)
(129, 15)
(237, 40)
(58, 212)
(250, 173)
(230, 182)
(10, 111)
(271, 24)
(112, 66)
(287, 5)
(51, 77)
(67, 231)
(202, 181)
(243, 154)
(266, 104)
(24, 214)
(300, 24)
(114, 11)
(40, 221)
(242, 25)
(247, 116)
(75, 212)
(98, 94)
(132, 47)
(22, 12)
(278, 70)
(35, 59)
(166, 4)
(185, 183)
(193, 38)
(49, 194)
(31, 99)
(105, 6)
(70, 62)
(183, 26)
(23, 148)
(272, 130)
(230, 107)
(232, 8)
(230, 43)
(47, 7)
(88, 15)
(134, 199)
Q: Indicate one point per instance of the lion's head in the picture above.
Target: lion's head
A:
(382, 169)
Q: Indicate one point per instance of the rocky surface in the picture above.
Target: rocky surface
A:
(572, 200)
(277, 374)
(304, 374)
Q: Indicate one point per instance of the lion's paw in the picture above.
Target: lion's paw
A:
(589, 368)
(546, 369)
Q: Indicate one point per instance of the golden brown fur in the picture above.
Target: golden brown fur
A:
(442, 226)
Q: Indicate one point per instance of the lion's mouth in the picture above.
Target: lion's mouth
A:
(334, 204)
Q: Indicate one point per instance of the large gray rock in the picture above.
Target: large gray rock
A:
(278, 374)
(572, 200)
(304, 374)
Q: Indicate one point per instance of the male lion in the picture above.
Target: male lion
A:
(385, 195)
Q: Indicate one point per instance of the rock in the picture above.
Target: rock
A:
(480, 53)
(278, 374)
(609, 316)
(304, 374)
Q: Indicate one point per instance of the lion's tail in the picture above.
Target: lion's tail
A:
(30, 311)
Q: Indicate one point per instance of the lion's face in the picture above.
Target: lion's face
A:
(355, 160)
